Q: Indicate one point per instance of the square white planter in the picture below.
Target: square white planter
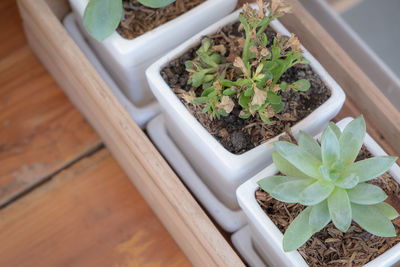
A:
(229, 220)
(267, 235)
(141, 115)
(222, 170)
(127, 59)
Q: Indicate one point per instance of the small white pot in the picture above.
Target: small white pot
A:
(268, 238)
(127, 59)
(222, 170)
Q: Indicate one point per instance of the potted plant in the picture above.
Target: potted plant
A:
(204, 87)
(143, 34)
(343, 182)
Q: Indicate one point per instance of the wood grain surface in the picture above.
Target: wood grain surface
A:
(88, 215)
(68, 202)
(40, 130)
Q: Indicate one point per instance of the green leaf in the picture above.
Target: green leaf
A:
(244, 101)
(199, 100)
(348, 182)
(197, 78)
(366, 194)
(329, 147)
(286, 167)
(228, 92)
(351, 140)
(340, 209)
(324, 171)
(316, 193)
(372, 220)
(284, 188)
(308, 143)
(302, 160)
(101, 18)
(155, 3)
(386, 210)
(335, 129)
(301, 85)
(278, 107)
(319, 216)
(371, 168)
(274, 98)
(298, 232)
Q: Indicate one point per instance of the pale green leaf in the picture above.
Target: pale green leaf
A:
(335, 129)
(351, 140)
(290, 191)
(308, 143)
(366, 194)
(298, 232)
(340, 209)
(386, 210)
(301, 159)
(155, 3)
(329, 147)
(324, 171)
(371, 220)
(316, 193)
(371, 168)
(286, 167)
(348, 181)
(284, 188)
(101, 18)
(319, 216)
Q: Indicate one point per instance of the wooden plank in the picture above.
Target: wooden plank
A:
(170, 200)
(38, 125)
(369, 100)
(87, 215)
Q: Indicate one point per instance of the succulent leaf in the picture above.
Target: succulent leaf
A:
(340, 209)
(298, 232)
(285, 188)
(319, 216)
(308, 143)
(368, 169)
(330, 148)
(347, 182)
(366, 194)
(386, 210)
(286, 167)
(301, 159)
(316, 193)
(373, 221)
(101, 18)
(335, 129)
(351, 140)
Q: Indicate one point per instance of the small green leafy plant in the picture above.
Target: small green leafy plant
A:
(260, 67)
(102, 17)
(327, 180)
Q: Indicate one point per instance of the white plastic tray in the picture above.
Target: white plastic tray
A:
(243, 243)
(229, 220)
(141, 115)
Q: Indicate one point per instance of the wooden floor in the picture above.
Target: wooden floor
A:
(64, 201)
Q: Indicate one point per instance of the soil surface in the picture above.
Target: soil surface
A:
(240, 135)
(138, 19)
(331, 247)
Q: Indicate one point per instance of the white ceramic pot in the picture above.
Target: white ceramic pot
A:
(127, 59)
(268, 238)
(222, 170)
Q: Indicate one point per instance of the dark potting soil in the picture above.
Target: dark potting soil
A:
(138, 19)
(240, 135)
(331, 247)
